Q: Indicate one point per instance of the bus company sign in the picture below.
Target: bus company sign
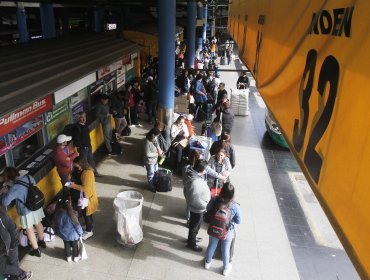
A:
(24, 114)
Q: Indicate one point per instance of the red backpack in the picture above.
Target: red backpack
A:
(219, 223)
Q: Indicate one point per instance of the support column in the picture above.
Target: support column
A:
(213, 29)
(167, 36)
(47, 20)
(205, 16)
(199, 30)
(98, 19)
(22, 25)
(190, 34)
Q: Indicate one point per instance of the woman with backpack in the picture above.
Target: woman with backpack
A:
(27, 218)
(225, 202)
(69, 229)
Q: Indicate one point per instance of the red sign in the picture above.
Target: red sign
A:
(17, 118)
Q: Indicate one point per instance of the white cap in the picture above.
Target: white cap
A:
(190, 117)
(63, 138)
(150, 78)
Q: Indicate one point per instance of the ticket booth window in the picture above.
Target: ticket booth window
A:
(26, 149)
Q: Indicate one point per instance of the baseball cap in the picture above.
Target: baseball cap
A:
(63, 138)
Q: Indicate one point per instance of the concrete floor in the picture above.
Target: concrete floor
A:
(264, 245)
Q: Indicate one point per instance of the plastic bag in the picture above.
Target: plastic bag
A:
(128, 227)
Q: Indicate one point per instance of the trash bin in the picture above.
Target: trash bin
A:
(128, 207)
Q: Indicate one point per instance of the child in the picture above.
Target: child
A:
(69, 229)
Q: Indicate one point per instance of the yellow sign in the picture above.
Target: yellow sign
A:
(311, 62)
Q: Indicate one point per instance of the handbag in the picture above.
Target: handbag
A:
(82, 250)
(83, 202)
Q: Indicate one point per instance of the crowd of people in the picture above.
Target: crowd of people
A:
(209, 102)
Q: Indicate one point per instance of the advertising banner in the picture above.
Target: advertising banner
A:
(24, 114)
(24, 131)
(311, 63)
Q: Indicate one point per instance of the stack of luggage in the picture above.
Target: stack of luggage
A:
(239, 101)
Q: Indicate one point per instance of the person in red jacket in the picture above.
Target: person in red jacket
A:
(188, 121)
(63, 158)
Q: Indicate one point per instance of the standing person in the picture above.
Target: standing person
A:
(224, 143)
(102, 112)
(9, 263)
(69, 229)
(81, 140)
(228, 55)
(89, 191)
(63, 156)
(243, 81)
(27, 218)
(151, 153)
(197, 196)
(117, 106)
(227, 117)
(200, 97)
(222, 96)
(137, 98)
(151, 99)
(220, 164)
(225, 200)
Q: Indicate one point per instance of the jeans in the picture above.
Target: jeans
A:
(107, 128)
(121, 123)
(88, 220)
(151, 169)
(10, 264)
(194, 226)
(68, 245)
(87, 155)
(225, 248)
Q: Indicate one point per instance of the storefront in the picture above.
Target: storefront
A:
(53, 99)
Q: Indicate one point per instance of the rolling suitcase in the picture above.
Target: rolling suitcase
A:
(223, 60)
(164, 180)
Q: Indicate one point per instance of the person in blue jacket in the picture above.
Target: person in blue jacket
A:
(27, 218)
(69, 229)
(226, 198)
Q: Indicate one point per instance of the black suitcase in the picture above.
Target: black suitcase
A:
(164, 180)
(223, 60)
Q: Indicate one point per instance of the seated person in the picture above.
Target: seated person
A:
(179, 128)
(179, 135)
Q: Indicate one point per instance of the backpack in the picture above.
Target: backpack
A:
(126, 131)
(219, 223)
(35, 197)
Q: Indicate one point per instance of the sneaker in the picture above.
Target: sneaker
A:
(27, 275)
(35, 253)
(69, 259)
(132, 125)
(195, 248)
(207, 265)
(139, 125)
(226, 271)
(97, 174)
(87, 234)
(41, 243)
(76, 259)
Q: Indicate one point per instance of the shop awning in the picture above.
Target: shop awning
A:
(34, 70)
